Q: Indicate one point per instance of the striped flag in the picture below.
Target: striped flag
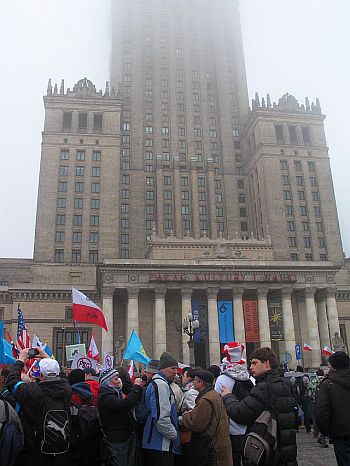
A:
(131, 371)
(307, 347)
(327, 351)
(23, 340)
(93, 351)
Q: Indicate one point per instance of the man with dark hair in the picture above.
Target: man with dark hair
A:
(332, 410)
(264, 367)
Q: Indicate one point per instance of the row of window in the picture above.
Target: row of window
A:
(294, 138)
(76, 256)
(303, 211)
(78, 187)
(94, 236)
(305, 226)
(80, 155)
(292, 241)
(298, 165)
(78, 203)
(299, 179)
(82, 123)
(77, 220)
(294, 256)
(287, 195)
(79, 170)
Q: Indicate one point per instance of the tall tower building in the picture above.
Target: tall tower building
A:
(182, 74)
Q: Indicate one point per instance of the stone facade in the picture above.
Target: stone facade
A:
(167, 194)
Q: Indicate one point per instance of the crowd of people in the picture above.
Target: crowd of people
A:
(223, 415)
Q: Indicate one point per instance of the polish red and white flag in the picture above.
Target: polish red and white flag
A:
(93, 350)
(307, 347)
(131, 370)
(84, 310)
(327, 351)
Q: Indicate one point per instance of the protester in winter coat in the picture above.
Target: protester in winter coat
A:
(83, 449)
(208, 423)
(161, 433)
(9, 452)
(235, 377)
(116, 419)
(91, 378)
(332, 410)
(36, 399)
(264, 368)
(189, 393)
(300, 384)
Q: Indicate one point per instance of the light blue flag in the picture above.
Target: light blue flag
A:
(5, 349)
(135, 350)
(48, 351)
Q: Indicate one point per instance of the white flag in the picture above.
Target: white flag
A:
(93, 351)
(36, 343)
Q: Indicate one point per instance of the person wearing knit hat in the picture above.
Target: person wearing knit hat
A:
(332, 409)
(208, 420)
(236, 378)
(76, 376)
(115, 416)
(160, 439)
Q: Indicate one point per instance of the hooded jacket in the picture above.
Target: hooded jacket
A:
(332, 410)
(228, 379)
(161, 430)
(30, 396)
(250, 408)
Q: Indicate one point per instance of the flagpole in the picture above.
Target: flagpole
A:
(77, 331)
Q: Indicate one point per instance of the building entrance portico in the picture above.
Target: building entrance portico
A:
(270, 306)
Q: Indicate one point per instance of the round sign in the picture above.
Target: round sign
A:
(286, 358)
(84, 363)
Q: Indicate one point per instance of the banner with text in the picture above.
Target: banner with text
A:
(199, 311)
(226, 331)
(251, 321)
(276, 320)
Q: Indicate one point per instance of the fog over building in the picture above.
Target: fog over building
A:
(168, 192)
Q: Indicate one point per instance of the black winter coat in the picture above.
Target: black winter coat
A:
(246, 411)
(115, 413)
(30, 396)
(332, 410)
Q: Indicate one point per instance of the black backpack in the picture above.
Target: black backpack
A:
(86, 423)
(260, 444)
(54, 429)
(299, 389)
(11, 437)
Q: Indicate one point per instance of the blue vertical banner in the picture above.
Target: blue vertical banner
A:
(226, 331)
(196, 305)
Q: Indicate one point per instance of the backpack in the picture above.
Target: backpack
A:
(299, 389)
(141, 411)
(242, 388)
(260, 444)
(87, 422)
(11, 438)
(55, 426)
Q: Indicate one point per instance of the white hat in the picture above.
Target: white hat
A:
(49, 367)
(234, 352)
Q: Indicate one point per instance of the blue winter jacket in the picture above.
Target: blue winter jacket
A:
(161, 430)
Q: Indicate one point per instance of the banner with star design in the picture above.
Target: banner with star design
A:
(276, 320)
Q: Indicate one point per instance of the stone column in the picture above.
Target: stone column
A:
(186, 308)
(238, 316)
(332, 312)
(159, 336)
(323, 321)
(132, 318)
(213, 326)
(314, 337)
(264, 322)
(107, 337)
(288, 323)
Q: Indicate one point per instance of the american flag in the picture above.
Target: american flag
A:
(23, 340)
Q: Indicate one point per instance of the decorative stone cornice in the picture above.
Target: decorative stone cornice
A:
(133, 293)
(309, 291)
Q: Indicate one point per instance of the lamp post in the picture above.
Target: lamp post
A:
(63, 328)
(189, 327)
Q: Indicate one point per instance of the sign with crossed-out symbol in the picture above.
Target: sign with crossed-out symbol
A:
(84, 363)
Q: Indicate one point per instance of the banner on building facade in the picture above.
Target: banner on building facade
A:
(276, 320)
(226, 331)
(199, 312)
(251, 321)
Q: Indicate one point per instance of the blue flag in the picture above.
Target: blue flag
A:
(135, 350)
(5, 349)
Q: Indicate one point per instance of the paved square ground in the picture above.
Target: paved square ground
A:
(310, 453)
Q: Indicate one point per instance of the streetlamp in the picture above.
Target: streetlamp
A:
(190, 326)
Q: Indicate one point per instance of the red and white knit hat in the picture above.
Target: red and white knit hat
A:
(233, 352)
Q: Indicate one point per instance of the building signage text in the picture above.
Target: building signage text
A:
(236, 277)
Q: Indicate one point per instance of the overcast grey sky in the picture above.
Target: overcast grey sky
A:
(295, 46)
